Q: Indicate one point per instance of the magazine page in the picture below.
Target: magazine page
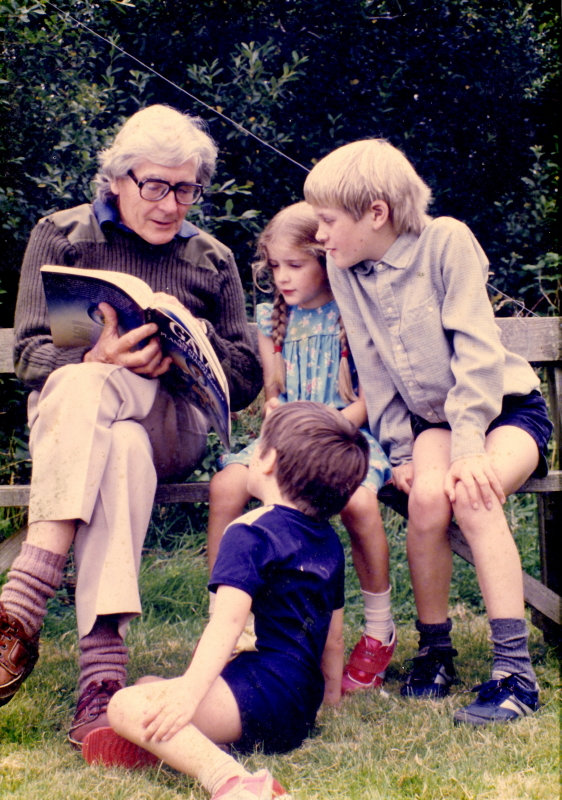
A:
(192, 325)
(204, 383)
(73, 296)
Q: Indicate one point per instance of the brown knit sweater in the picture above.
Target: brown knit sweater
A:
(200, 272)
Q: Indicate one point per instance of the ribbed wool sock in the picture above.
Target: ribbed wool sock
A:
(103, 653)
(35, 576)
(511, 653)
(218, 770)
(378, 617)
(437, 635)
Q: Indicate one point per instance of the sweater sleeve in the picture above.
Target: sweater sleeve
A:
(35, 355)
(230, 336)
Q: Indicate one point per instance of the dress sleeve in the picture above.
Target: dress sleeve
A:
(263, 318)
(35, 355)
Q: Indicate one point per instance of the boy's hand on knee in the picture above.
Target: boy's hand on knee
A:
(479, 478)
(172, 709)
(403, 476)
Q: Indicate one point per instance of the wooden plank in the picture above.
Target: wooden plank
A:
(6, 349)
(10, 548)
(551, 483)
(14, 496)
(535, 338)
(182, 492)
(165, 493)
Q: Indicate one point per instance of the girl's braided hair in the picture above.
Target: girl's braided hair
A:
(298, 225)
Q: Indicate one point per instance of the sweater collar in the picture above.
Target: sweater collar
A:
(107, 216)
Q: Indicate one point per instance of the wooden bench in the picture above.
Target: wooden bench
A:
(539, 340)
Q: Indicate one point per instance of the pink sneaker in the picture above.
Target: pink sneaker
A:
(261, 786)
(367, 664)
(104, 746)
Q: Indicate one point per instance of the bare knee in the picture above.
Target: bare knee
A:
(429, 509)
(362, 505)
(228, 487)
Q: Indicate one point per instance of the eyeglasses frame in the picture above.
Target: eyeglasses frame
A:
(171, 188)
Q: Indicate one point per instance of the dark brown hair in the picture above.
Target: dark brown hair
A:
(322, 457)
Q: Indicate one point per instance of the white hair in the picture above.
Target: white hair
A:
(159, 134)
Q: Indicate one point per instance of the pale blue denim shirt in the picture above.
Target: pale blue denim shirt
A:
(424, 339)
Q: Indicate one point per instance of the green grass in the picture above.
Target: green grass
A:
(373, 747)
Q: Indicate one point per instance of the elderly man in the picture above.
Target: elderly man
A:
(107, 422)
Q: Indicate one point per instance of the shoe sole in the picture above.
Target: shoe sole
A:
(104, 746)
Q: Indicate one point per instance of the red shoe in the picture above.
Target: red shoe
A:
(261, 786)
(104, 746)
(367, 664)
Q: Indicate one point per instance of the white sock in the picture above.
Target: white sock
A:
(219, 770)
(378, 616)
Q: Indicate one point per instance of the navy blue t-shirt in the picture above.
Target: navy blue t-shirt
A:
(293, 568)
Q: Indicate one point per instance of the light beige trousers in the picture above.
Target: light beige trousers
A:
(100, 438)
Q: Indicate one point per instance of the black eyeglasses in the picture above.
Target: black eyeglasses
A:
(155, 189)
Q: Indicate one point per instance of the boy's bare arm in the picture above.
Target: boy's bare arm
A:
(180, 697)
(332, 659)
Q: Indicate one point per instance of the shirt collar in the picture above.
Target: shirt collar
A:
(107, 215)
(397, 255)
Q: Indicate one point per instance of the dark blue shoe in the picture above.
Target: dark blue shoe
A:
(432, 674)
(499, 700)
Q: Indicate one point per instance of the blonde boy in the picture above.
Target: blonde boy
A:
(412, 293)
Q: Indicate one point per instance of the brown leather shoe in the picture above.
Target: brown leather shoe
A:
(91, 711)
(18, 655)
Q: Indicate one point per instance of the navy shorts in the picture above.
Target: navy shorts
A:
(526, 411)
(272, 719)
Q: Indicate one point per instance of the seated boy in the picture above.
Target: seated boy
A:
(286, 563)
(412, 294)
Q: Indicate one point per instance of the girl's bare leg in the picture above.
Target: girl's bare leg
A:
(369, 548)
(228, 495)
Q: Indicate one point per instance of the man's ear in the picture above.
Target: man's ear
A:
(114, 186)
(380, 213)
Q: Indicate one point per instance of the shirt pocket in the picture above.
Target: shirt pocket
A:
(426, 344)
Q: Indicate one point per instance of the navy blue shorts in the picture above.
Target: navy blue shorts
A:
(272, 719)
(527, 412)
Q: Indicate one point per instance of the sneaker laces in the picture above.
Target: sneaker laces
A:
(426, 663)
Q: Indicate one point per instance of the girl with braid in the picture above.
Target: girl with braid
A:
(305, 356)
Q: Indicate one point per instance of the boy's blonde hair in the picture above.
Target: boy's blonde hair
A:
(355, 175)
(297, 225)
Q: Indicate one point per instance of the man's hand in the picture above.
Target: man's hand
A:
(114, 349)
(172, 709)
(403, 476)
(478, 476)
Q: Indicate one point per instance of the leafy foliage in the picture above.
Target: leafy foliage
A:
(470, 90)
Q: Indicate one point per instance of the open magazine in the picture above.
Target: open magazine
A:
(73, 296)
